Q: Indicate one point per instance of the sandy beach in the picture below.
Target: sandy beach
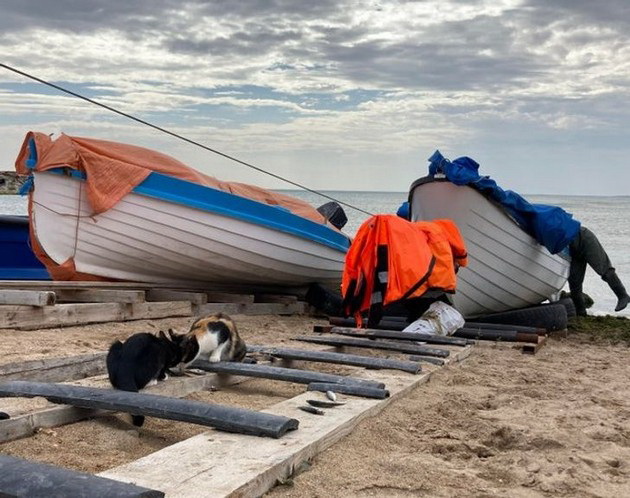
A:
(499, 424)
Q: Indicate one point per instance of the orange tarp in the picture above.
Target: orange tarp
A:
(113, 170)
(419, 256)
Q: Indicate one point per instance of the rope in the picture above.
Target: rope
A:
(178, 136)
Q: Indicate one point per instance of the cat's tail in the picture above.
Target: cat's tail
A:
(121, 375)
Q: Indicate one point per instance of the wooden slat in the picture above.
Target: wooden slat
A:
(27, 297)
(175, 295)
(208, 461)
(99, 296)
(25, 317)
(225, 297)
(253, 308)
(533, 348)
(145, 311)
(241, 289)
(63, 315)
(275, 298)
(55, 369)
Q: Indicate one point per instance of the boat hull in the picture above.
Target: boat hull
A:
(507, 268)
(146, 238)
(18, 261)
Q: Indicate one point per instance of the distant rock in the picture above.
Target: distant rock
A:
(10, 182)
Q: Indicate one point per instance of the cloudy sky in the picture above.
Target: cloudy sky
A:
(338, 95)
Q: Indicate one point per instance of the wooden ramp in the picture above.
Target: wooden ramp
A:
(219, 464)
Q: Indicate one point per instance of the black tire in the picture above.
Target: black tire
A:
(567, 302)
(547, 316)
(324, 300)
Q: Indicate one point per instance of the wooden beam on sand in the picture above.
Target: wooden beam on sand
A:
(207, 461)
(27, 297)
(297, 308)
(223, 417)
(275, 298)
(100, 296)
(534, 348)
(55, 369)
(184, 286)
(26, 478)
(176, 295)
(26, 424)
(64, 315)
(228, 297)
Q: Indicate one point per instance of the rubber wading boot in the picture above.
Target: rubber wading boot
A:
(578, 301)
(617, 287)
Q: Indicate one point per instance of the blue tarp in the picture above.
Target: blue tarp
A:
(551, 226)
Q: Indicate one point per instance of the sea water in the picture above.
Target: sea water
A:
(607, 217)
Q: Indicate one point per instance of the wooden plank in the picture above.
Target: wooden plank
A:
(55, 369)
(99, 296)
(253, 308)
(64, 315)
(225, 297)
(207, 461)
(145, 311)
(176, 295)
(27, 297)
(38, 480)
(25, 425)
(60, 315)
(533, 348)
(275, 298)
(185, 286)
(224, 417)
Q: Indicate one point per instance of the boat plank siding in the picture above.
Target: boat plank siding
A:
(507, 268)
(148, 239)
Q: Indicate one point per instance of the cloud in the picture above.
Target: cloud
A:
(338, 87)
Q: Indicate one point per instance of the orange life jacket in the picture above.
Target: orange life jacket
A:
(392, 259)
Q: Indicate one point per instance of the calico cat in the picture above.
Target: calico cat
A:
(141, 359)
(213, 338)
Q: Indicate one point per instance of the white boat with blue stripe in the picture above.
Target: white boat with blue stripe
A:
(168, 230)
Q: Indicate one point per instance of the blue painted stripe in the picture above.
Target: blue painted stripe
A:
(182, 192)
(31, 161)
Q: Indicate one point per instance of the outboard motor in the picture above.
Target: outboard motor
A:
(334, 213)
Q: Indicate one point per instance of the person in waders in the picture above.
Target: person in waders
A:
(585, 249)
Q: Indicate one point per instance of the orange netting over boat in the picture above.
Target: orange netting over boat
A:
(114, 169)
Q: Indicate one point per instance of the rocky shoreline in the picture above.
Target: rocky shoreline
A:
(10, 182)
